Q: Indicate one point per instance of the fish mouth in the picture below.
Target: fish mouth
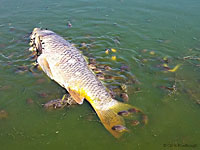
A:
(35, 42)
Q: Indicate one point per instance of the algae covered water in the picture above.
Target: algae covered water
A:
(157, 47)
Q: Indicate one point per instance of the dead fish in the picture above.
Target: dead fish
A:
(119, 128)
(123, 113)
(64, 63)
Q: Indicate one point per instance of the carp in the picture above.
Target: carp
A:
(64, 64)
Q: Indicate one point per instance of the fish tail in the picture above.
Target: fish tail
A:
(112, 116)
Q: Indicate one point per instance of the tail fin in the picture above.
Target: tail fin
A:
(112, 116)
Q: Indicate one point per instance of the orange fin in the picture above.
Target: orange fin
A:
(76, 96)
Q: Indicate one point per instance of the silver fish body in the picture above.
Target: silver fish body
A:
(64, 63)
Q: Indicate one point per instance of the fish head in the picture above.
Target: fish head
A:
(36, 39)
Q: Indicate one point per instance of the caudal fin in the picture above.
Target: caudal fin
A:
(112, 116)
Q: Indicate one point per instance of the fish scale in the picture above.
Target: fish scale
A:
(64, 63)
(69, 68)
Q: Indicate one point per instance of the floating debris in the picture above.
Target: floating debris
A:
(57, 132)
(152, 52)
(43, 94)
(135, 123)
(124, 97)
(124, 68)
(21, 69)
(92, 61)
(69, 24)
(124, 87)
(144, 119)
(198, 102)
(97, 70)
(107, 67)
(100, 76)
(175, 68)
(144, 50)
(166, 66)
(133, 110)
(5, 87)
(107, 51)
(3, 114)
(109, 77)
(144, 60)
(114, 58)
(92, 66)
(168, 88)
(165, 59)
(113, 50)
(60, 103)
(29, 101)
(39, 81)
(83, 45)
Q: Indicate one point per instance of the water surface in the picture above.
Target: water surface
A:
(144, 33)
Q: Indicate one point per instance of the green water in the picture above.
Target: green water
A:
(169, 28)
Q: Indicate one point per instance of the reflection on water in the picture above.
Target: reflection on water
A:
(150, 38)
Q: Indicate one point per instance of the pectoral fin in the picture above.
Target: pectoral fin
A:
(42, 61)
(76, 96)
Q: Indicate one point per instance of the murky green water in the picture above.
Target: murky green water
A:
(144, 33)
